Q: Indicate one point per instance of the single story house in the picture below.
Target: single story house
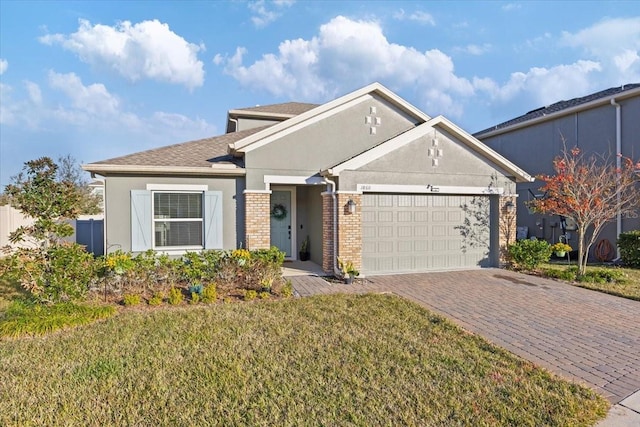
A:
(367, 177)
(604, 123)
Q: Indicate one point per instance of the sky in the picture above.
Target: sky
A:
(101, 79)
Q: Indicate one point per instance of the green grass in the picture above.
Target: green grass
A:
(21, 317)
(627, 287)
(328, 360)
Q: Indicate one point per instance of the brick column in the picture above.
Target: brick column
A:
(350, 229)
(507, 225)
(257, 219)
(327, 233)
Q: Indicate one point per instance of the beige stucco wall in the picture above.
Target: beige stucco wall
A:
(413, 165)
(118, 206)
(327, 142)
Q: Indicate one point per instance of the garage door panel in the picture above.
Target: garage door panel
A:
(405, 216)
(416, 232)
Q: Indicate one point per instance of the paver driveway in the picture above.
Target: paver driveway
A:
(580, 334)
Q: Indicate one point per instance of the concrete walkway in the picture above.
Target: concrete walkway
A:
(582, 335)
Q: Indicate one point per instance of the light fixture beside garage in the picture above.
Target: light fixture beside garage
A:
(351, 207)
(510, 207)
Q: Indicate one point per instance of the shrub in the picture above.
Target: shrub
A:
(156, 299)
(60, 272)
(264, 295)
(250, 295)
(175, 296)
(528, 254)
(195, 298)
(287, 289)
(629, 244)
(131, 299)
(209, 294)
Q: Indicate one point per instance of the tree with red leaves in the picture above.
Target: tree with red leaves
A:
(591, 191)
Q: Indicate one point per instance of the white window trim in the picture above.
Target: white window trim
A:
(164, 189)
(169, 188)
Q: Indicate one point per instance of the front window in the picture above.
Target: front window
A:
(177, 219)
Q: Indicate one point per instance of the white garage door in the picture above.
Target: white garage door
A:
(423, 232)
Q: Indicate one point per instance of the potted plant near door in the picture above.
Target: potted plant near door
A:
(348, 270)
(561, 249)
(304, 250)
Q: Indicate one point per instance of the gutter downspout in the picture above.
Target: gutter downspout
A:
(618, 166)
(334, 262)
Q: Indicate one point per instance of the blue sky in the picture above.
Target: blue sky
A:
(102, 79)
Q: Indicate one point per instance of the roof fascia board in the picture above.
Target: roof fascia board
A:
(571, 110)
(421, 130)
(103, 169)
(261, 114)
(324, 108)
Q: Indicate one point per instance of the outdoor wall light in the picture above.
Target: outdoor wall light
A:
(351, 206)
(510, 207)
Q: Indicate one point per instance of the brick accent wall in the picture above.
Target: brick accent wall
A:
(327, 233)
(257, 220)
(350, 230)
(507, 226)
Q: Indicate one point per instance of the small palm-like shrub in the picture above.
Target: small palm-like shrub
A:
(175, 296)
(131, 299)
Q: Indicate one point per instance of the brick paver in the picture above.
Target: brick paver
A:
(582, 335)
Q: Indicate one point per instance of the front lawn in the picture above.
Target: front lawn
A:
(327, 360)
(602, 279)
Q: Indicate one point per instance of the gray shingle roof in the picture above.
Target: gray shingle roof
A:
(199, 153)
(291, 108)
(559, 106)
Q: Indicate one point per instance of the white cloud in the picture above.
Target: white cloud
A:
(3, 66)
(345, 55)
(89, 108)
(511, 6)
(35, 94)
(544, 85)
(419, 16)
(93, 99)
(615, 43)
(148, 49)
(474, 49)
(262, 15)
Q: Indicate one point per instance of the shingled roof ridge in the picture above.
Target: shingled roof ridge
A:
(560, 106)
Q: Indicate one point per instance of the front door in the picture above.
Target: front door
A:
(281, 221)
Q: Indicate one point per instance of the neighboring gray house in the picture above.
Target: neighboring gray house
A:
(603, 123)
(368, 177)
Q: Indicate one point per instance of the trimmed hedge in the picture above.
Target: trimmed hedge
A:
(629, 244)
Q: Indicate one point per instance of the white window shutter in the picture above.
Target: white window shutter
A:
(212, 219)
(141, 227)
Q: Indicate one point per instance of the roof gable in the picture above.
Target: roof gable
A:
(422, 130)
(312, 116)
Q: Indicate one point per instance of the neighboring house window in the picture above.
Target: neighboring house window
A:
(175, 220)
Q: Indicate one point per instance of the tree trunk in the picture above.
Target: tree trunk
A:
(582, 257)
